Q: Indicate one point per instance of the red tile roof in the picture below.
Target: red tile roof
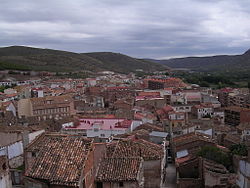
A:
(60, 159)
(191, 137)
(119, 169)
(136, 148)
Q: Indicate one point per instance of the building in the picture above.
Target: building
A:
(231, 139)
(170, 117)
(5, 178)
(182, 108)
(214, 174)
(120, 172)
(155, 101)
(12, 143)
(200, 172)
(176, 119)
(164, 83)
(244, 130)
(208, 98)
(37, 92)
(223, 96)
(102, 127)
(235, 115)
(234, 97)
(111, 94)
(189, 144)
(55, 160)
(192, 96)
(153, 155)
(14, 139)
(7, 113)
(46, 107)
(204, 110)
(239, 100)
(188, 172)
(243, 172)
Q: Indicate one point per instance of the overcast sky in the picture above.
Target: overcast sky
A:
(139, 28)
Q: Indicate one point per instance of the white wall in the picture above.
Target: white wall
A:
(135, 124)
(11, 108)
(15, 149)
(33, 135)
(103, 133)
(5, 181)
(243, 174)
(208, 132)
(40, 93)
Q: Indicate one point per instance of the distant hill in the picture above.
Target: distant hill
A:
(27, 58)
(223, 63)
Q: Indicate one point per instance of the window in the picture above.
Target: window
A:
(16, 177)
(102, 135)
(33, 154)
(99, 185)
(96, 130)
(4, 167)
(121, 184)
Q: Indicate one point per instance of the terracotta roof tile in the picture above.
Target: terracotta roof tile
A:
(137, 148)
(59, 160)
(119, 169)
(191, 137)
(149, 127)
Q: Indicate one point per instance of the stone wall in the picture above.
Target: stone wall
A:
(152, 174)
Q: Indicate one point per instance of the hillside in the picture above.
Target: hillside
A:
(27, 58)
(225, 63)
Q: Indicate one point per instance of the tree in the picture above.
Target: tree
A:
(204, 84)
(215, 154)
(239, 149)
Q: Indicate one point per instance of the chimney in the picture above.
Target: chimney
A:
(25, 138)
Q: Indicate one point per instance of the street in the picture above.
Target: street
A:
(170, 177)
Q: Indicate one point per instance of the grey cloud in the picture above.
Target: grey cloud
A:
(140, 28)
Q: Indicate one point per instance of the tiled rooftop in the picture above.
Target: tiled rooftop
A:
(119, 169)
(59, 160)
(191, 137)
(136, 148)
(104, 123)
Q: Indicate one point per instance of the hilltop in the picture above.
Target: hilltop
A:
(28, 58)
(221, 63)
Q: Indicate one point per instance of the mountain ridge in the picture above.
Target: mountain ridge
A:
(44, 59)
(239, 62)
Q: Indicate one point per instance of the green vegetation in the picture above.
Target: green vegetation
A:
(214, 71)
(23, 58)
(214, 80)
(13, 66)
(20, 168)
(76, 75)
(215, 154)
(222, 63)
(239, 149)
(2, 88)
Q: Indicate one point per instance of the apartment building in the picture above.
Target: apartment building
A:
(46, 107)
(164, 83)
(235, 115)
